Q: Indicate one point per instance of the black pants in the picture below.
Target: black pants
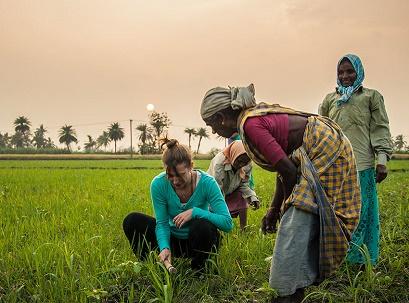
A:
(203, 237)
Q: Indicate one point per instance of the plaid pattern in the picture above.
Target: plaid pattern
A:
(328, 185)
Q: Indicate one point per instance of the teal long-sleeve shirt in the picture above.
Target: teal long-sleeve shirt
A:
(167, 205)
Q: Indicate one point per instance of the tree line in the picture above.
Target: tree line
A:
(400, 144)
(149, 136)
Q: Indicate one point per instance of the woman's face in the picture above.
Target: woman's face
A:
(346, 73)
(221, 125)
(180, 176)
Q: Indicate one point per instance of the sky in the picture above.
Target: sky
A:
(91, 63)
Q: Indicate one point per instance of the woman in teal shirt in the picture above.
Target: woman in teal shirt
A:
(361, 114)
(183, 225)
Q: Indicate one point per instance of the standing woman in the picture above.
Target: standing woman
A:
(361, 114)
(183, 225)
(317, 189)
(232, 170)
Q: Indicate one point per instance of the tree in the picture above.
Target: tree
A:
(49, 143)
(160, 122)
(103, 140)
(147, 145)
(67, 135)
(399, 143)
(191, 132)
(22, 124)
(22, 136)
(116, 133)
(20, 139)
(90, 145)
(145, 133)
(213, 152)
(201, 133)
(4, 140)
(38, 138)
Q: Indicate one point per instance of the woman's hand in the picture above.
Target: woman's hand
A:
(165, 255)
(182, 218)
(381, 173)
(269, 221)
(254, 204)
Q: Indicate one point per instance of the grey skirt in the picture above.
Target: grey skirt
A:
(296, 252)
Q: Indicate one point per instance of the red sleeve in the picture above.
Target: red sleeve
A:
(257, 130)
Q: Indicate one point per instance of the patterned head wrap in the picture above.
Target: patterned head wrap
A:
(232, 152)
(219, 98)
(346, 92)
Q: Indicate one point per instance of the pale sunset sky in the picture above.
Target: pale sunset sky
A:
(90, 63)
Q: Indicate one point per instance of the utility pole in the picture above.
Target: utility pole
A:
(130, 129)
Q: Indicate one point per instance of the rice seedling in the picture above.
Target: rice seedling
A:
(61, 240)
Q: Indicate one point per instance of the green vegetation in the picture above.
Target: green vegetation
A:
(67, 135)
(149, 135)
(116, 133)
(106, 164)
(61, 240)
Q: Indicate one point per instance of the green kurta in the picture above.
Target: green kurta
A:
(364, 121)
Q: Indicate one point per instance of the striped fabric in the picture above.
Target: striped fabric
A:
(328, 185)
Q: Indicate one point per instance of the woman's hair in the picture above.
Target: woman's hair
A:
(344, 59)
(175, 153)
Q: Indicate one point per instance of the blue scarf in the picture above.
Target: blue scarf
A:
(346, 92)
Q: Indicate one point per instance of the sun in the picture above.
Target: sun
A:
(150, 107)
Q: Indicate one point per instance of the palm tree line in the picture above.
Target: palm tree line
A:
(149, 135)
(200, 132)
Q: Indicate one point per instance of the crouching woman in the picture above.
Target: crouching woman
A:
(183, 225)
(232, 170)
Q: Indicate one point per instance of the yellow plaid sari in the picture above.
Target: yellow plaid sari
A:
(328, 182)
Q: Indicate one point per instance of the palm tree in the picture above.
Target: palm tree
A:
(190, 132)
(67, 135)
(103, 140)
(90, 145)
(20, 139)
(147, 139)
(116, 133)
(49, 143)
(201, 133)
(399, 143)
(39, 139)
(4, 140)
(146, 133)
(22, 124)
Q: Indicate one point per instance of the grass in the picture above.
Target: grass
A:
(393, 166)
(91, 164)
(57, 154)
(61, 240)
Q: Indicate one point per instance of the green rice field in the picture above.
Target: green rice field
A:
(61, 240)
